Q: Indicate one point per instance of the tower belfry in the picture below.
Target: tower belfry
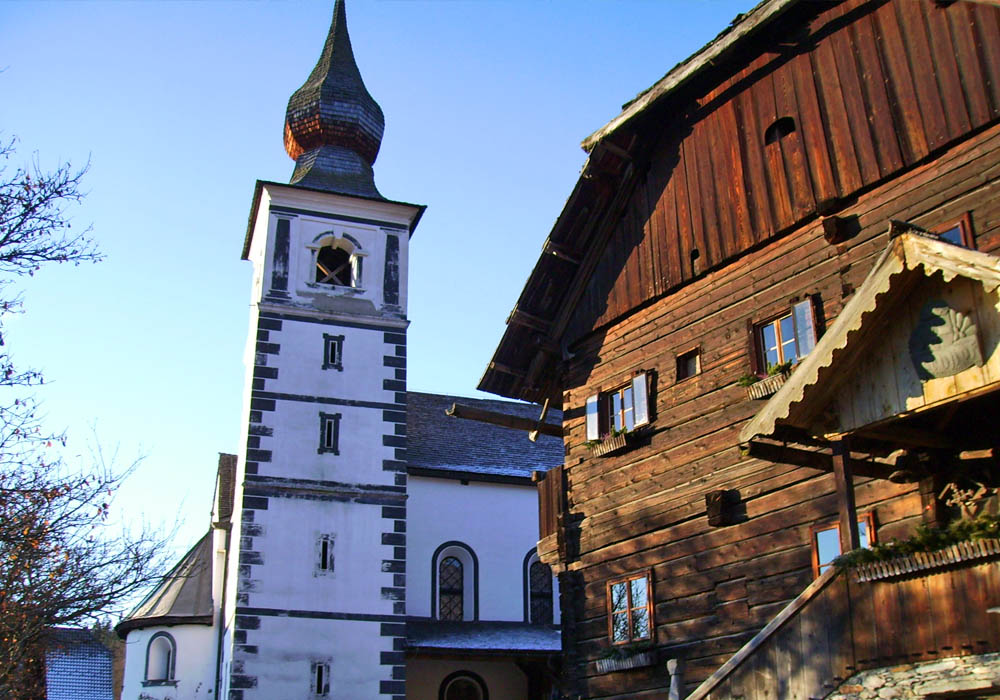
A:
(315, 598)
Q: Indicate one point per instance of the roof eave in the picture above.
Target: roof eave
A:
(684, 72)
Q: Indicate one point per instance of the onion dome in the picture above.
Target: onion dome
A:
(333, 127)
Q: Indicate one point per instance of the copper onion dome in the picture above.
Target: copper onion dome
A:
(333, 127)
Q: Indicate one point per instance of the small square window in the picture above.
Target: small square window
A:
(333, 352)
(785, 339)
(958, 232)
(688, 364)
(630, 608)
(319, 683)
(826, 541)
(324, 555)
(618, 411)
(329, 433)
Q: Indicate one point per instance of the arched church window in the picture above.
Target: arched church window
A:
(454, 582)
(451, 589)
(463, 685)
(540, 587)
(160, 659)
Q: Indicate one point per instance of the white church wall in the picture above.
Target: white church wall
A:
(287, 536)
(295, 644)
(503, 680)
(194, 664)
(499, 522)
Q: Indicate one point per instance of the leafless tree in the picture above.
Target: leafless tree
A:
(61, 561)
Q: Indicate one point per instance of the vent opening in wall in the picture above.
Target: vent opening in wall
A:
(329, 433)
(333, 352)
(320, 679)
(778, 130)
(324, 554)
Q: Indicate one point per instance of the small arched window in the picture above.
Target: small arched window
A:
(161, 653)
(454, 583)
(337, 261)
(463, 685)
(538, 598)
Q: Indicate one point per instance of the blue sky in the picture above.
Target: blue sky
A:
(179, 107)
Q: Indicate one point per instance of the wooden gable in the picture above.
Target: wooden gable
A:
(923, 330)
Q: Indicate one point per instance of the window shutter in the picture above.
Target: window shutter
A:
(640, 399)
(754, 349)
(805, 327)
(593, 431)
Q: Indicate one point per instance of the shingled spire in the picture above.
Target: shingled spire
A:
(333, 127)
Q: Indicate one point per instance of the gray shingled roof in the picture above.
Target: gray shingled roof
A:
(184, 596)
(437, 441)
(482, 637)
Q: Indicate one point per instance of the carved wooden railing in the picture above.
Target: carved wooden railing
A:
(841, 625)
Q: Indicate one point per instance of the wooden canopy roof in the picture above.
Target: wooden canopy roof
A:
(870, 349)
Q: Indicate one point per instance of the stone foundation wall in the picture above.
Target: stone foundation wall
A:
(923, 680)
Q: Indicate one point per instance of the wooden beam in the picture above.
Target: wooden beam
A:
(504, 420)
(523, 318)
(561, 253)
(813, 459)
(507, 369)
(843, 476)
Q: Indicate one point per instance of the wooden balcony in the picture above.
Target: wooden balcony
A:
(912, 612)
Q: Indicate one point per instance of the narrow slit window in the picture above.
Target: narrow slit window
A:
(329, 433)
(540, 586)
(320, 679)
(333, 352)
(324, 554)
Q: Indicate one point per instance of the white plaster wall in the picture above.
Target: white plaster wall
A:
(194, 668)
(288, 580)
(504, 680)
(295, 444)
(300, 362)
(498, 521)
(294, 643)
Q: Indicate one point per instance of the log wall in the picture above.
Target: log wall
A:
(873, 88)
(715, 587)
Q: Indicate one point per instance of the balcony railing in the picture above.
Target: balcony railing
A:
(929, 608)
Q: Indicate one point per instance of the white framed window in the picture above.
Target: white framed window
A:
(161, 660)
(620, 410)
(454, 583)
(787, 338)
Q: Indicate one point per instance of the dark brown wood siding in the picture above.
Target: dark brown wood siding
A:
(873, 88)
(644, 508)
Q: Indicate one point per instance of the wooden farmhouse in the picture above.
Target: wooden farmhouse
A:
(769, 313)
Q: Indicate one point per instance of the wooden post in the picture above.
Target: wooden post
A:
(849, 537)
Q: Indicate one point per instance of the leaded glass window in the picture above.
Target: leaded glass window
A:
(540, 593)
(451, 578)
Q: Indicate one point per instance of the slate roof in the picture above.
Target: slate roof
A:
(184, 596)
(77, 666)
(494, 638)
(437, 441)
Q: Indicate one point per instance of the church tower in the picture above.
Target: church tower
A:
(315, 584)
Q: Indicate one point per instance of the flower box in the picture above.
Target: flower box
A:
(610, 444)
(767, 386)
(614, 663)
